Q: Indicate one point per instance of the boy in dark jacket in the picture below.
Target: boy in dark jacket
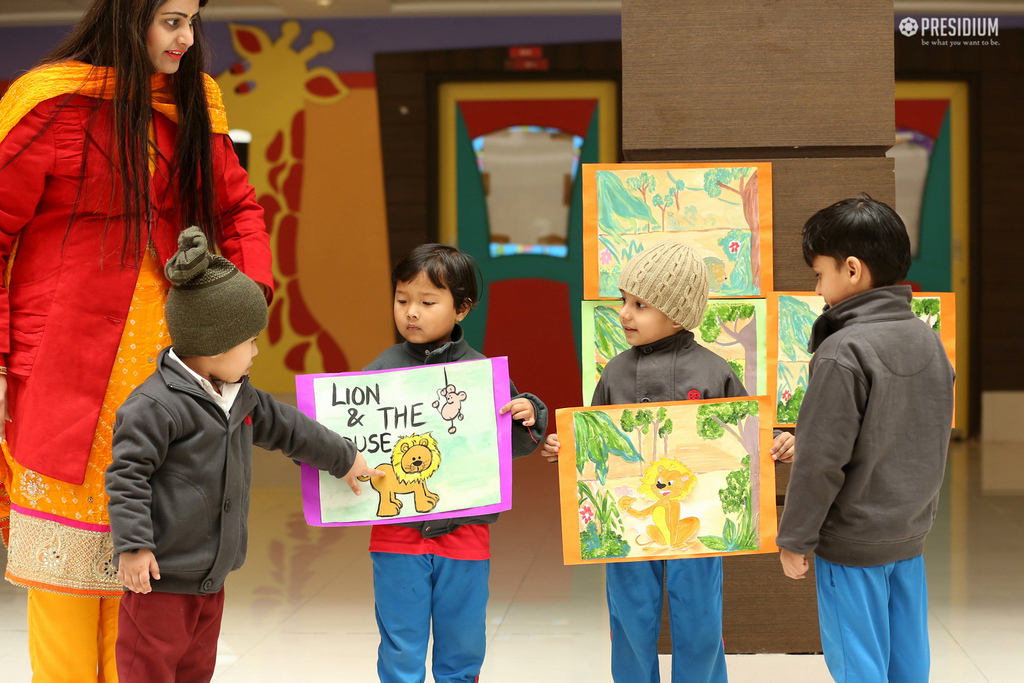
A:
(873, 430)
(181, 470)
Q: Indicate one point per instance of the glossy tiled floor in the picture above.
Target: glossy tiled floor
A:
(302, 607)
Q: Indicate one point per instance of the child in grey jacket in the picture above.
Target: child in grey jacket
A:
(664, 295)
(181, 470)
(873, 429)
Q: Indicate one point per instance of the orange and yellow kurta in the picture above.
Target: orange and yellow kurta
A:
(60, 531)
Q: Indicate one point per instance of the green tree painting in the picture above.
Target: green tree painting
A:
(597, 437)
(928, 310)
(739, 420)
(608, 336)
(736, 247)
(788, 408)
(617, 201)
(644, 183)
(716, 207)
(602, 534)
(740, 534)
(675, 192)
(662, 205)
(737, 322)
(796, 317)
(639, 423)
(743, 182)
(663, 431)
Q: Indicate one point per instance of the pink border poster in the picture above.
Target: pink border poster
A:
(435, 430)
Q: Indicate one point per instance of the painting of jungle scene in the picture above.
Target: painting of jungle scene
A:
(723, 212)
(793, 314)
(732, 328)
(664, 480)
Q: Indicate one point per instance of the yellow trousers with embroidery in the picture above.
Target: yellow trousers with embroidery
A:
(71, 639)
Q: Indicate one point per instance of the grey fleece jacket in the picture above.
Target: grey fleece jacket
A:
(872, 434)
(181, 471)
(524, 440)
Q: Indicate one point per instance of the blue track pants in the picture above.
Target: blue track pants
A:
(413, 593)
(635, 596)
(874, 621)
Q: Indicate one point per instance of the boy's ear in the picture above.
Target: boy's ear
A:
(463, 310)
(858, 272)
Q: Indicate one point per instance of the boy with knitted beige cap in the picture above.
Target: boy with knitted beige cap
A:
(664, 293)
(182, 463)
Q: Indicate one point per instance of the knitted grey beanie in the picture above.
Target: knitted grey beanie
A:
(671, 277)
(212, 306)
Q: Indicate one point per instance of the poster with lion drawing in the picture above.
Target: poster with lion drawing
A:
(435, 430)
(723, 211)
(666, 480)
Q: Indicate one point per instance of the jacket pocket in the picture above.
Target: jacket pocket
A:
(185, 526)
(30, 310)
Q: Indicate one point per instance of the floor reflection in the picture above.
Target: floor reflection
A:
(302, 607)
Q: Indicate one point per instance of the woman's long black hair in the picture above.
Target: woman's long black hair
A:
(112, 33)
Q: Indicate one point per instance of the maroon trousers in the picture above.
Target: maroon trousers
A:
(167, 637)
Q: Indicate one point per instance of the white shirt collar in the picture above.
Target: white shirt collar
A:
(227, 393)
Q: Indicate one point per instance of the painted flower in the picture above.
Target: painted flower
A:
(693, 395)
(605, 257)
(734, 246)
(786, 395)
(587, 513)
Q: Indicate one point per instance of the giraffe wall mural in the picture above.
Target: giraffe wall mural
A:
(323, 196)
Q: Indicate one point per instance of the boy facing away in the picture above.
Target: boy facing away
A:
(182, 464)
(664, 293)
(874, 429)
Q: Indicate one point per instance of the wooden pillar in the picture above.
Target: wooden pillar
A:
(807, 85)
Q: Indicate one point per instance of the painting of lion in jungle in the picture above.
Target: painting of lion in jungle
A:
(668, 480)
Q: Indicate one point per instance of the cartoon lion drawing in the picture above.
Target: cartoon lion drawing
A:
(667, 481)
(414, 460)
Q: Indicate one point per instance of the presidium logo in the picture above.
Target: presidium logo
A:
(952, 31)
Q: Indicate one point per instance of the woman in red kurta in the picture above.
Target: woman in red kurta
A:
(106, 153)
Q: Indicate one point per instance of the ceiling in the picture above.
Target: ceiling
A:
(28, 12)
(35, 12)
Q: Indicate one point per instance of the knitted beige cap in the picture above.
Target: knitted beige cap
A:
(212, 306)
(672, 278)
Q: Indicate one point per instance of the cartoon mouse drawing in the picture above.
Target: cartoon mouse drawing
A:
(449, 404)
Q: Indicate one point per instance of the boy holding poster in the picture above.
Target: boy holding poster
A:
(874, 431)
(435, 572)
(182, 461)
(664, 293)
